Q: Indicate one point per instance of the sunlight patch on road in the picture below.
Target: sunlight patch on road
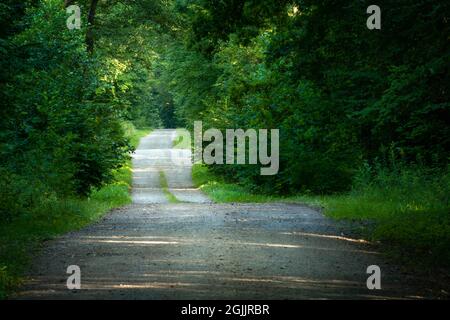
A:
(138, 242)
(325, 236)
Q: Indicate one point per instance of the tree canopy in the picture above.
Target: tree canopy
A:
(342, 95)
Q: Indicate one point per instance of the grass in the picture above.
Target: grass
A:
(221, 191)
(183, 139)
(408, 211)
(165, 188)
(20, 239)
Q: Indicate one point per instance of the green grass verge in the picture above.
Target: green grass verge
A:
(165, 188)
(183, 139)
(409, 213)
(20, 239)
(220, 191)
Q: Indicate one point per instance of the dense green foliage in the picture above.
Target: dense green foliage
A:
(409, 205)
(63, 108)
(339, 93)
(65, 113)
(363, 114)
(21, 238)
(54, 115)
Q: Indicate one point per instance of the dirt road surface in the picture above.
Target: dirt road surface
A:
(196, 249)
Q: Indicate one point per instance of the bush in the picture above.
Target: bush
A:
(61, 131)
(409, 205)
(320, 77)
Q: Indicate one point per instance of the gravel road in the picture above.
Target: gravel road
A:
(196, 249)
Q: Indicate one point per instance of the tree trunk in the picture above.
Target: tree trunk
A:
(68, 3)
(89, 31)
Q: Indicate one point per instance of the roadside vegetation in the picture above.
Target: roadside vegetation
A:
(182, 141)
(220, 191)
(363, 114)
(67, 125)
(165, 188)
(406, 210)
(21, 237)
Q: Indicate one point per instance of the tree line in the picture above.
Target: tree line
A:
(347, 100)
(66, 97)
(343, 96)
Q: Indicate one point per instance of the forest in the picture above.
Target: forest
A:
(363, 114)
